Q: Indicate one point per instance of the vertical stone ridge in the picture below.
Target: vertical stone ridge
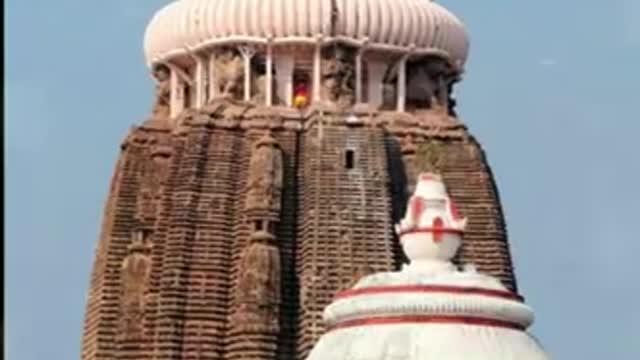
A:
(287, 235)
(345, 225)
(208, 280)
(135, 333)
(255, 315)
(500, 255)
(173, 295)
(91, 339)
(240, 232)
(104, 314)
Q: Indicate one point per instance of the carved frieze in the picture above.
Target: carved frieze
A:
(161, 107)
(258, 291)
(135, 271)
(264, 186)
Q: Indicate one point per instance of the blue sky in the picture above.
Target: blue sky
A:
(552, 92)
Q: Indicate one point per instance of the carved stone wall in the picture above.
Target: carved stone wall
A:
(264, 188)
(241, 235)
(345, 212)
(136, 268)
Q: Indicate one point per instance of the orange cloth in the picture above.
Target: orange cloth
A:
(301, 96)
(300, 101)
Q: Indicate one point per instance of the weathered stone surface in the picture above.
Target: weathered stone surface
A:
(179, 271)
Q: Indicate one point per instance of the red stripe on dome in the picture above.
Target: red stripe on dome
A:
(438, 226)
(417, 208)
(427, 319)
(443, 230)
(447, 289)
(428, 176)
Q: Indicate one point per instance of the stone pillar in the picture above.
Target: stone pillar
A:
(402, 80)
(201, 83)
(177, 93)
(213, 85)
(247, 53)
(269, 73)
(402, 85)
(376, 70)
(317, 70)
(358, 80)
(284, 77)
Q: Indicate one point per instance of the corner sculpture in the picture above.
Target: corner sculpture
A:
(339, 75)
(161, 107)
(229, 70)
(135, 271)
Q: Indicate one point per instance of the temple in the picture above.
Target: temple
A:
(282, 148)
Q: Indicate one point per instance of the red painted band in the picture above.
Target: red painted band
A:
(427, 319)
(431, 230)
(429, 289)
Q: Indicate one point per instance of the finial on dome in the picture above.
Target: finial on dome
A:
(431, 231)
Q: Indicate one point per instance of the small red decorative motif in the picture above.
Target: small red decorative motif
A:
(417, 208)
(426, 177)
(438, 227)
(419, 230)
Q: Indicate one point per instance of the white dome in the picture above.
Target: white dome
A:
(410, 315)
(427, 342)
(387, 24)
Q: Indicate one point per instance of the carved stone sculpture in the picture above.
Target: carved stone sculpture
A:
(135, 273)
(429, 84)
(258, 290)
(229, 68)
(265, 176)
(421, 86)
(161, 107)
(338, 76)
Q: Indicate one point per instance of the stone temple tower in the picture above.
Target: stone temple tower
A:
(283, 145)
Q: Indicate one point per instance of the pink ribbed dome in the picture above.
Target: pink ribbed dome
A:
(386, 23)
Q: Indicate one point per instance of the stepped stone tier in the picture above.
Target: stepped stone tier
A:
(279, 153)
(430, 309)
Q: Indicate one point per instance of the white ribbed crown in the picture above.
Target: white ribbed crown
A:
(386, 23)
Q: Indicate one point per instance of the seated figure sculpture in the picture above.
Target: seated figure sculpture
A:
(230, 72)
